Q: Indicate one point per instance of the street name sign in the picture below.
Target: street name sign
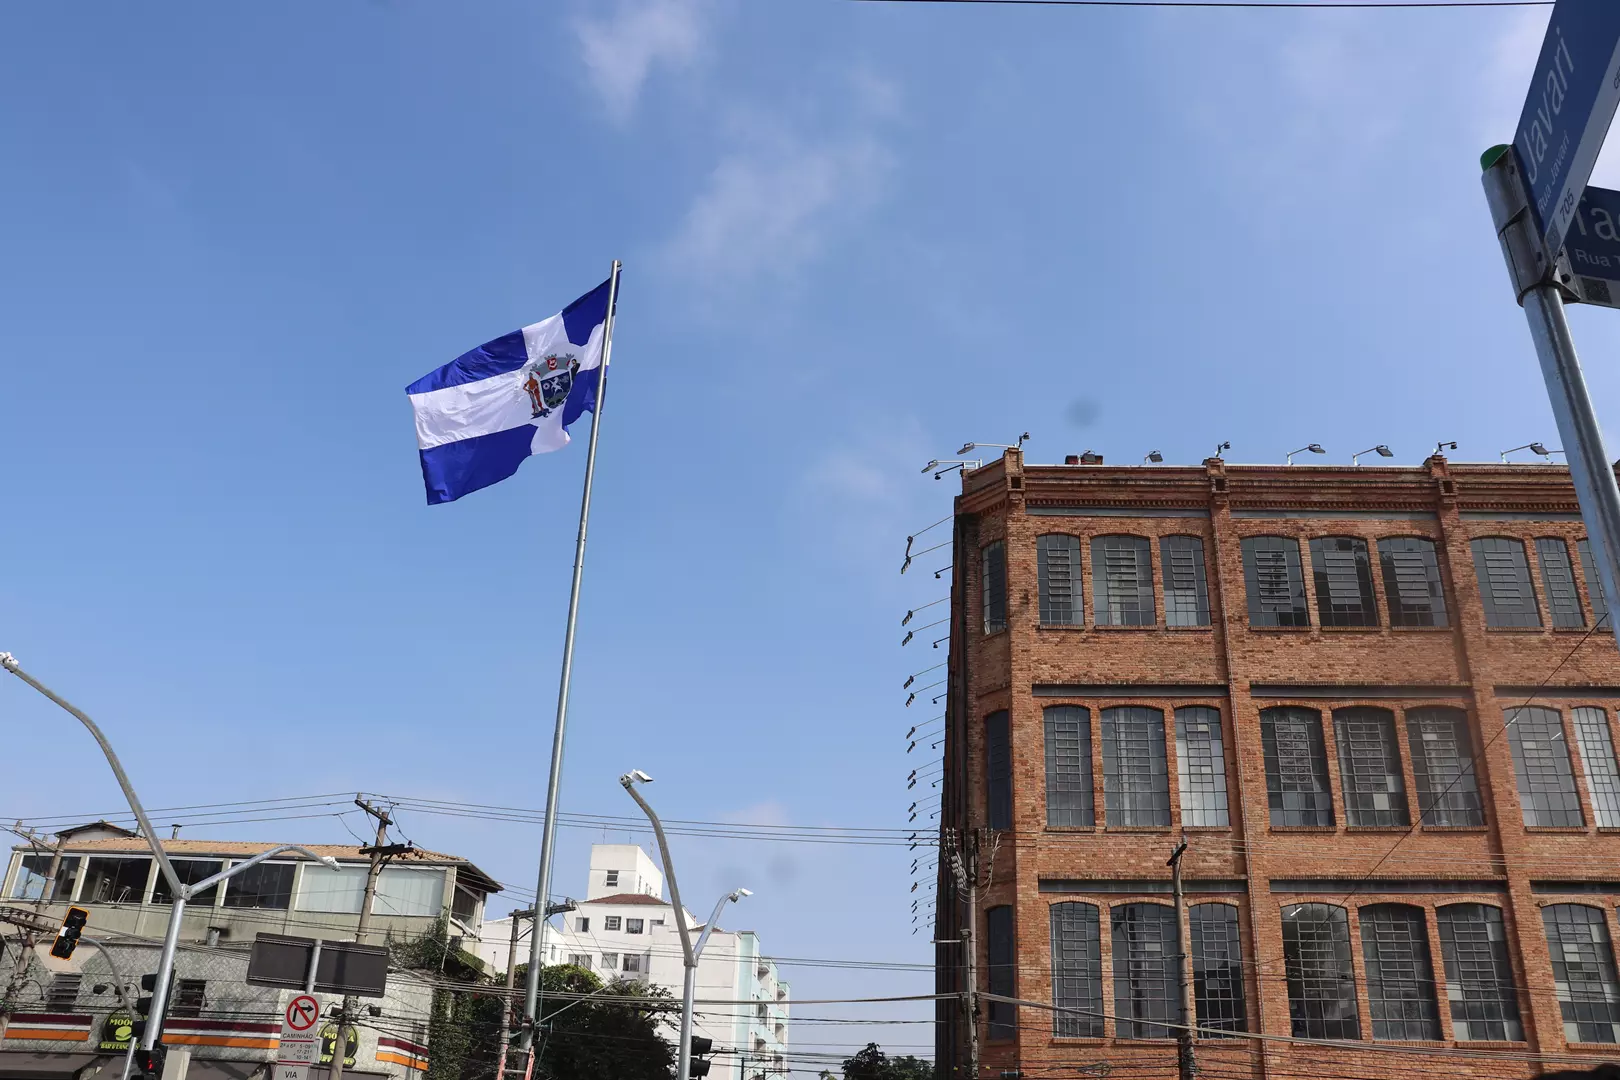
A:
(1593, 247)
(300, 1041)
(1569, 108)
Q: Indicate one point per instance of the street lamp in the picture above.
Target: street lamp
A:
(180, 891)
(1154, 456)
(1381, 450)
(689, 952)
(968, 448)
(1315, 448)
(1533, 447)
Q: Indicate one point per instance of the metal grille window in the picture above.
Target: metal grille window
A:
(190, 995)
(1558, 578)
(1594, 583)
(1003, 966)
(1070, 801)
(994, 574)
(1321, 978)
(1479, 977)
(1443, 766)
(1217, 967)
(1412, 582)
(1122, 581)
(1275, 584)
(1400, 977)
(1370, 767)
(1136, 778)
(1504, 582)
(1076, 971)
(1597, 757)
(998, 771)
(1186, 592)
(1541, 762)
(1296, 767)
(1344, 592)
(63, 993)
(1583, 972)
(1144, 970)
(1057, 559)
(1201, 766)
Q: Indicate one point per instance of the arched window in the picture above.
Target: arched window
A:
(1070, 801)
(1370, 767)
(1321, 974)
(1443, 766)
(1136, 778)
(998, 798)
(1201, 766)
(1122, 581)
(993, 573)
(1479, 976)
(1296, 766)
(1276, 586)
(1504, 582)
(1412, 585)
(1217, 966)
(1344, 591)
(1186, 593)
(1057, 565)
(1400, 975)
(1583, 972)
(1541, 763)
(1076, 971)
(1001, 953)
(1144, 970)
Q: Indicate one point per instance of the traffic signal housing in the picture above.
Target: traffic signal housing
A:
(67, 938)
(701, 1048)
(143, 1005)
(149, 1062)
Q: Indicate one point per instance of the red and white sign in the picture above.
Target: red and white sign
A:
(300, 1041)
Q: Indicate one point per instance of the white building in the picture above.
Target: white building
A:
(624, 927)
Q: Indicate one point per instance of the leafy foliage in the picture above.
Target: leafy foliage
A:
(873, 1064)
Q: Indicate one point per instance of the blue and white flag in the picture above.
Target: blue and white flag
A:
(480, 415)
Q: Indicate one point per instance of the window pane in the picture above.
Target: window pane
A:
(1058, 567)
(1144, 970)
(1594, 583)
(1558, 578)
(1443, 766)
(1122, 581)
(998, 770)
(1400, 977)
(1186, 593)
(1136, 778)
(1201, 766)
(1076, 971)
(267, 885)
(1370, 767)
(191, 871)
(190, 995)
(32, 872)
(408, 890)
(1217, 964)
(1504, 582)
(1541, 761)
(1003, 964)
(1275, 585)
(1296, 767)
(1479, 978)
(1412, 582)
(1344, 592)
(1321, 979)
(1583, 972)
(995, 587)
(114, 881)
(1597, 756)
(1069, 798)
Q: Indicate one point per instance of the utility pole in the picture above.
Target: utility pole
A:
(1184, 1034)
(511, 985)
(25, 933)
(380, 852)
(967, 886)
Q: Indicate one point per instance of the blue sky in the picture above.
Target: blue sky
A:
(855, 236)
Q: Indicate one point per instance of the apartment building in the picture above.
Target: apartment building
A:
(1378, 703)
(625, 928)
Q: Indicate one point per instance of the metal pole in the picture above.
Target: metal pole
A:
(9, 662)
(683, 1067)
(1532, 272)
(506, 1003)
(1184, 1034)
(340, 1045)
(531, 997)
(160, 991)
(688, 954)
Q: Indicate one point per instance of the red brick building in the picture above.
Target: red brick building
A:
(1379, 703)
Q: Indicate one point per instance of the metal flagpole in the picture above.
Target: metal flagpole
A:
(531, 999)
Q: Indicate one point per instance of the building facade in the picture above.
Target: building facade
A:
(1380, 706)
(624, 928)
(69, 1019)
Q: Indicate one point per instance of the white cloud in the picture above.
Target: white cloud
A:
(621, 50)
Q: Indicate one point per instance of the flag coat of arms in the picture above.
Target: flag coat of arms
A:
(479, 416)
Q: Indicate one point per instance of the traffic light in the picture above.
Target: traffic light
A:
(67, 938)
(701, 1048)
(143, 1005)
(149, 1062)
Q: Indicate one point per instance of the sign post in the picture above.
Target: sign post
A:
(1534, 189)
(300, 1039)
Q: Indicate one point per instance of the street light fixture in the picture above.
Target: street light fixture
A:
(1533, 447)
(1153, 456)
(1315, 448)
(968, 448)
(1381, 450)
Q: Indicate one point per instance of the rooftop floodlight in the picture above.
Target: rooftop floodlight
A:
(1154, 456)
(1222, 446)
(1019, 445)
(1381, 450)
(1315, 448)
(1538, 448)
(930, 466)
(1444, 445)
(1533, 447)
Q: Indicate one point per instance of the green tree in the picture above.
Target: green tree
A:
(590, 1040)
(873, 1064)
